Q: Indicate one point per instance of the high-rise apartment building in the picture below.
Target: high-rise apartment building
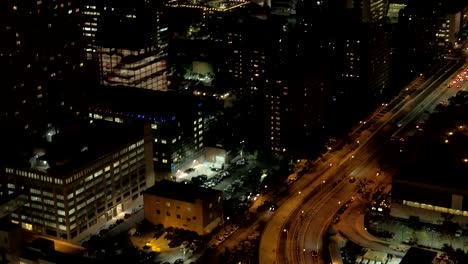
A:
(428, 31)
(40, 62)
(363, 58)
(373, 11)
(279, 91)
(201, 31)
(247, 67)
(203, 19)
(332, 61)
(298, 94)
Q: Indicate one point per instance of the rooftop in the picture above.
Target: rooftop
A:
(42, 250)
(68, 150)
(142, 103)
(418, 255)
(182, 191)
(215, 5)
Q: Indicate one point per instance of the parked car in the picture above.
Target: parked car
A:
(240, 162)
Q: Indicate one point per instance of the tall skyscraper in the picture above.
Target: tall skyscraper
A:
(277, 101)
(247, 69)
(299, 99)
(40, 61)
(428, 31)
(212, 32)
(128, 40)
(373, 11)
(363, 56)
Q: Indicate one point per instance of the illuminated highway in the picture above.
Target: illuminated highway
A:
(298, 227)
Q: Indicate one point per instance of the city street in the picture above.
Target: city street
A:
(286, 226)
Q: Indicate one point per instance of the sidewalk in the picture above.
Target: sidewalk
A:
(335, 246)
(352, 226)
(425, 216)
(135, 209)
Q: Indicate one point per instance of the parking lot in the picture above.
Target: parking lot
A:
(168, 245)
(194, 171)
(242, 192)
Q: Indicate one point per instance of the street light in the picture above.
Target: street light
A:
(242, 149)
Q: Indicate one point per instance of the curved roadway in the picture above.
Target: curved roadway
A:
(299, 224)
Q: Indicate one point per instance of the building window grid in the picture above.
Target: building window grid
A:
(74, 177)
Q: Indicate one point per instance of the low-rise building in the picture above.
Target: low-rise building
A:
(419, 255)
(431, 182)
(184, 206)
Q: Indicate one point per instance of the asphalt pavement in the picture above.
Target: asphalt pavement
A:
(268, 253)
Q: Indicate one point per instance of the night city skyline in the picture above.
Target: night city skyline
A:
(234, 131)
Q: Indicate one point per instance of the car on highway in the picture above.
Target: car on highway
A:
(273, 207)
(304, 230)
(352, 179)
(336, 219)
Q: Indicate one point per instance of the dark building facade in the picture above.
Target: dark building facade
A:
(428, 32)
(41, 63)
(363, 59)
(175, 122)
(127, 41)
(201, 41)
